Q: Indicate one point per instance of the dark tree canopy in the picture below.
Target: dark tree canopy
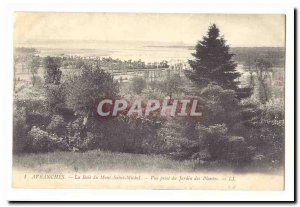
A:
(34, 65)
(213, 62)
(137, 85)
(171, 85)
(52, 71)
(83, 91)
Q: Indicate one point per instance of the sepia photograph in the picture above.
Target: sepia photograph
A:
(112, 100)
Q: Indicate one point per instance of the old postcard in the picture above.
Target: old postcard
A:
(149, 101)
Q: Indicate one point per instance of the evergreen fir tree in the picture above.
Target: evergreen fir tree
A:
(213, 62)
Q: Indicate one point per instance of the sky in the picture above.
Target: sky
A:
(240, 30)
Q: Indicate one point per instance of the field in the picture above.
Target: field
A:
(133, 171)
(96, 160)
(102, 161)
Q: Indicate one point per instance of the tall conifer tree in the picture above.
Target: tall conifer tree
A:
(213, 62)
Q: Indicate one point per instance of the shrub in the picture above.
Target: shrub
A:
(219, 106)
(27, 113)
(57, 125)
(264, 130)
(41, 141)
(271, 131)
(124, 134)
(74, 130)
(35, 110)
(212, 140)
(204, 143)
(20, 129)
(55, 98)
(176, 142)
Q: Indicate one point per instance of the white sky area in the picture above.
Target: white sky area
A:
(240, 30)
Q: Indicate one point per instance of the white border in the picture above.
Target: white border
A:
(174, 6)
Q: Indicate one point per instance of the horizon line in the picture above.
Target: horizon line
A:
(172, 43)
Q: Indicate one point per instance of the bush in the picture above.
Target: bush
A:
(20, 129)
(212, 140)
(271, 131)
(175, 142)
(27, 113)
(57, 125)
(41, 141)
(35, 111)
(219, 106)
(74, 132)
(124, 134)
(217, 144)
(55, 98)
(265, 130)
(211, 143)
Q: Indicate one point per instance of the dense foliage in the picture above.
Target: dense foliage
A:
(53, 73)
(235, 130)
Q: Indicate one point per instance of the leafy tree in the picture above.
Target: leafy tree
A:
(265, 130)
(263, 69)
(260, 71)
(34, 65)
(84, 90)
(171, 85)
(56, 98)
(17, 59)
(75, 102)
(248, 66)
(137, 85)
(53, 73)
(213, 62)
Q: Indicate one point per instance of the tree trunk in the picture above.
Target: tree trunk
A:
(33, 79)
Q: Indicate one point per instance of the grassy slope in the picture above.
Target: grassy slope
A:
(99, 161)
